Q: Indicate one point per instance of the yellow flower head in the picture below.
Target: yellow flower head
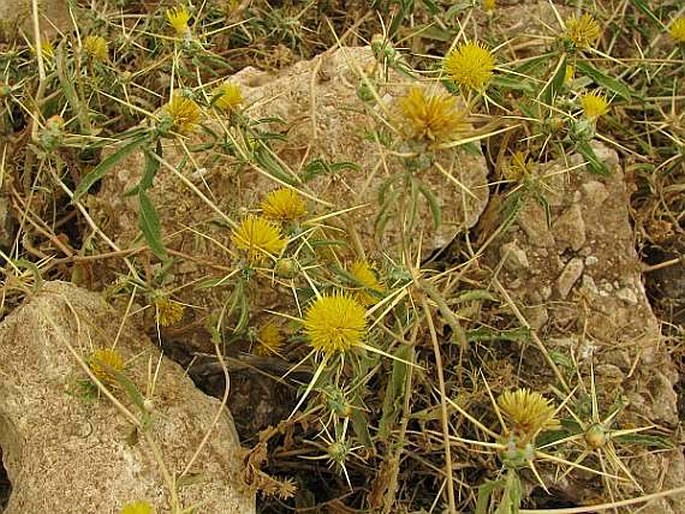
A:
(583, 31)
(167, 311)
(103, 363)
(228, 97)
(433, 117)
(335, 323)
(594, 104)
(270, 339)
(528, 411)
(183, 113)
(570, 74)
(47, 49)
(178, 18)
(677, 29)
(489, 5)
(470, 65)
(96, 47)
(518, 167)
(258, 237)
(138, 507)
(283, 204)
(370, 289)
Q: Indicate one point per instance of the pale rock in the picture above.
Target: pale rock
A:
(569, 229)
(627, 295)
(514, 257)
(570, 275)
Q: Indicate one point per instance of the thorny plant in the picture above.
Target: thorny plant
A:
(409, 394)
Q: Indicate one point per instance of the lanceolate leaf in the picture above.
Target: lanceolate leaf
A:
(149, 225)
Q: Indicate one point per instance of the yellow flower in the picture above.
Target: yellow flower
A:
(594, 104)
(528, 411)
(95, 47)
(178, 18)
(371, 288)
(228, 97)
(489, 5)
(104, 363)
(183, 114)
(258, 236)
(583, 31)
(270, 339)
(434, 117)
(283, 204)
(470, 65)
(335, 323)
(518, 167)
(47, 49)
(138, 507)
(570, 74)
(677, 29)
(167, 311)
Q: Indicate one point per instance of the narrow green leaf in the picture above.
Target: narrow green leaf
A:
(640, 4)
(103, 168)
(432, 203)
(553, 86)
(604, 80)
(593, 162)
(150, 226)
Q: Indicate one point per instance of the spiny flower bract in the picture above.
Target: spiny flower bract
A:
(105, 363)
(95, 47)
(283, 204)
(335, 323)
(434, 116)
(677, 29)
(178, 18)
(183, 114)
(258, 236)
(528, 411)
(228, 97)
(271, 340)
(594, 104)
(470, 65)
(138, 507)
(364, 274)
(167, 311)
(583, 31)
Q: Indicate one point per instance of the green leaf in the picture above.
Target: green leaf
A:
(152, 164)
(652, 441)
(645, 9)
(395, 391)
(553, 86)
(604, 80)
(150, 226)
(487, 334)
(103, 168)
(595, 165)
(432, 203)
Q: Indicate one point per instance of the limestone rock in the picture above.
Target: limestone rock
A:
(570, 275)
(65, 453)
(569, 229)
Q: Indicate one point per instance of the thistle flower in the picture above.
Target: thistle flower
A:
(489, 5)
(335, 323)
(364, 274)
(182, 114)
(104, 363)
(95, 47)
(258, 236)
(528, 411)
(677, 29)
(167, 311)
(46, 49)
(138, 507)
(434, 117)
(583, 31)
(178, 18)
(270, 340)
(228, 97)
(470, 65)
(283, 204)
(594, 104)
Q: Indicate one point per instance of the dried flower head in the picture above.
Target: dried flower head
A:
(178, 18)
(167, 311)
(434, 117)
(228, 97)
(105, 363)
(138, 507)
(283, 204)
(518, 167)
(470, 65)
(270, 339)
(335, 323)
(528, 411)
(371, 288)
(182, 114)
(583, 31)
(95, 47)
(594, 104)
(258, 237)
(677, 29)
